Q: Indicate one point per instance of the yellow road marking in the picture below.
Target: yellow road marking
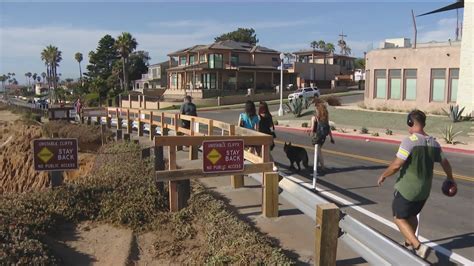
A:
(374, 160)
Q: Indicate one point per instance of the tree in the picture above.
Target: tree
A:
(125, 44)
(240, 35)
(3, 78)
(52, 56)
(102, 59)
(78, 57)
(44, 76)
(330, 48)
(322, 45)
(138, 64)
(359, 63)
(28, 77)
(314, 45)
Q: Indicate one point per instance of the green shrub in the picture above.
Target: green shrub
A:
(304, 124)
(450, 136)
(333, 101)
(297, 106)
(375, 134)
(454, 113)
(92, 99)
(388, 131)
(275, 122)
(364, 130)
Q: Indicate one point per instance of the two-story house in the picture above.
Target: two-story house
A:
(155, 78)
(223, 67)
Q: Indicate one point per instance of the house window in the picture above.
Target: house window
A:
(174, 80)
(209, 81)
(453, 84)
(191, 59)
(335, 61)
(438, 84)
(380, 84)
(410, 84)
(202, 58)
(234, 60)
(182, 60)
(395, 83)
(343, 62)
(215, 61)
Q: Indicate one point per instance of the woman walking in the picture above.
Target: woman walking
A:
(320, 129)
(266, 125)
(249, 120)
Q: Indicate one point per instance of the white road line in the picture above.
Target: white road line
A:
(448, 253)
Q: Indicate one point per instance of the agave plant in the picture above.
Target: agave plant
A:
(297, 106)
(455, 114)
(450, 136)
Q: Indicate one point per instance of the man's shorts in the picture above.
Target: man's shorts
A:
(403, 208)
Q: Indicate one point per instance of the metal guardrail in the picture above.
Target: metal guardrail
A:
(369, 244)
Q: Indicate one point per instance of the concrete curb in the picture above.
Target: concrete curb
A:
(376, 139)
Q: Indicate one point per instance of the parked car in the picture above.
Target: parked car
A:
(308, 92)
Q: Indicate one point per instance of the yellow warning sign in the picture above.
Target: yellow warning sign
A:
(45, 155)
(214, 156)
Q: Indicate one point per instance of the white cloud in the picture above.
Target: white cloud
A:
(445, 29)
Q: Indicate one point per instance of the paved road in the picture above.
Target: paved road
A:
(447, 221)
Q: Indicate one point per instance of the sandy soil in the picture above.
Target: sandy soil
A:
(7, 116)
(92, 244)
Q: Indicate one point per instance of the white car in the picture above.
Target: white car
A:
(308, 92)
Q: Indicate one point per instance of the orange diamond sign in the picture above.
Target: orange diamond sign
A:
(223, 156)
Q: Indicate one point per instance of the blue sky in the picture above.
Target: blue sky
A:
(26, 28)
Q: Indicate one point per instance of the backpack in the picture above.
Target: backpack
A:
(322, 131)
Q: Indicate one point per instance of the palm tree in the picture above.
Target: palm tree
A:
(28, 78)
(125, 44)
(3, 78)
(51, 56)
(321, 44)
(43, 75)
(78, 57)
(34, 79)
(330, 48)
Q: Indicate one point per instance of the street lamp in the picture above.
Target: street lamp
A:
(280, 111)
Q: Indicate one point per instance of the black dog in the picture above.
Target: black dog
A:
(296, 155)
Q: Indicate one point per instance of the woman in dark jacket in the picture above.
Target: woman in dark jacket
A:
(266, 126)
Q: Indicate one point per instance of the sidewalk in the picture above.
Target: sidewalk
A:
(396, 138)
(292, 230)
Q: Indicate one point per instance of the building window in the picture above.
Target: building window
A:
(174, 80)
(182, 60)
(191, 59)
(395, 76)
(410, 84)
(215, 61)
(209, 81)
(438, 84)
(380, 84)
(367, 82)
(202, 58)
(453, 84)
(234, 60)
(344, 62)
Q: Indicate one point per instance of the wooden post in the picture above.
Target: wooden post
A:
(237, 181)
(129, 123)
(129, 101)
(327, 230)
(89, 120)
(210, 128)
(140, 124)
(119, 120)
(152, 127)
(193, 150)
(159, 165)
(102, 133)
(108, 121)
(144, 102)
(118, 135)
(173, 185)
(270, 195)
(56, 178)
(163, 125)
(97, 122)
(126, 136)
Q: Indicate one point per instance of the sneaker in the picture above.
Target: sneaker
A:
(406, 245)
(422, 251)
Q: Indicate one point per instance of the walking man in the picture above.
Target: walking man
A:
(415, 159)
(188, 108)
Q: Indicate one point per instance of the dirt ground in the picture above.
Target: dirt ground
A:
(92, 243)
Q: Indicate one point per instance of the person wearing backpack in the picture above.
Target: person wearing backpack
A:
(188, 108)
(320, 129)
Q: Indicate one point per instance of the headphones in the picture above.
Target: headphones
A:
(410, 122)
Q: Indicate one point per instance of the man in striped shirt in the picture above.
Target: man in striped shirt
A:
(415, 159)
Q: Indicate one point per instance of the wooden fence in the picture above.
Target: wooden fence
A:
(174, 137)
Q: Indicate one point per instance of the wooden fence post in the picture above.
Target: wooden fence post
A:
(108, 121)
(159, 165)
(327, 230)
(119, 119)
(193, 150)
(173, 185)
(144, 102)
(129, 123)
(152, 127)
(237, 181)
(140, 124)
(89, 120)
(129, 101)
(270, 195)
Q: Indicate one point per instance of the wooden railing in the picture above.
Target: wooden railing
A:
(174, 136)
